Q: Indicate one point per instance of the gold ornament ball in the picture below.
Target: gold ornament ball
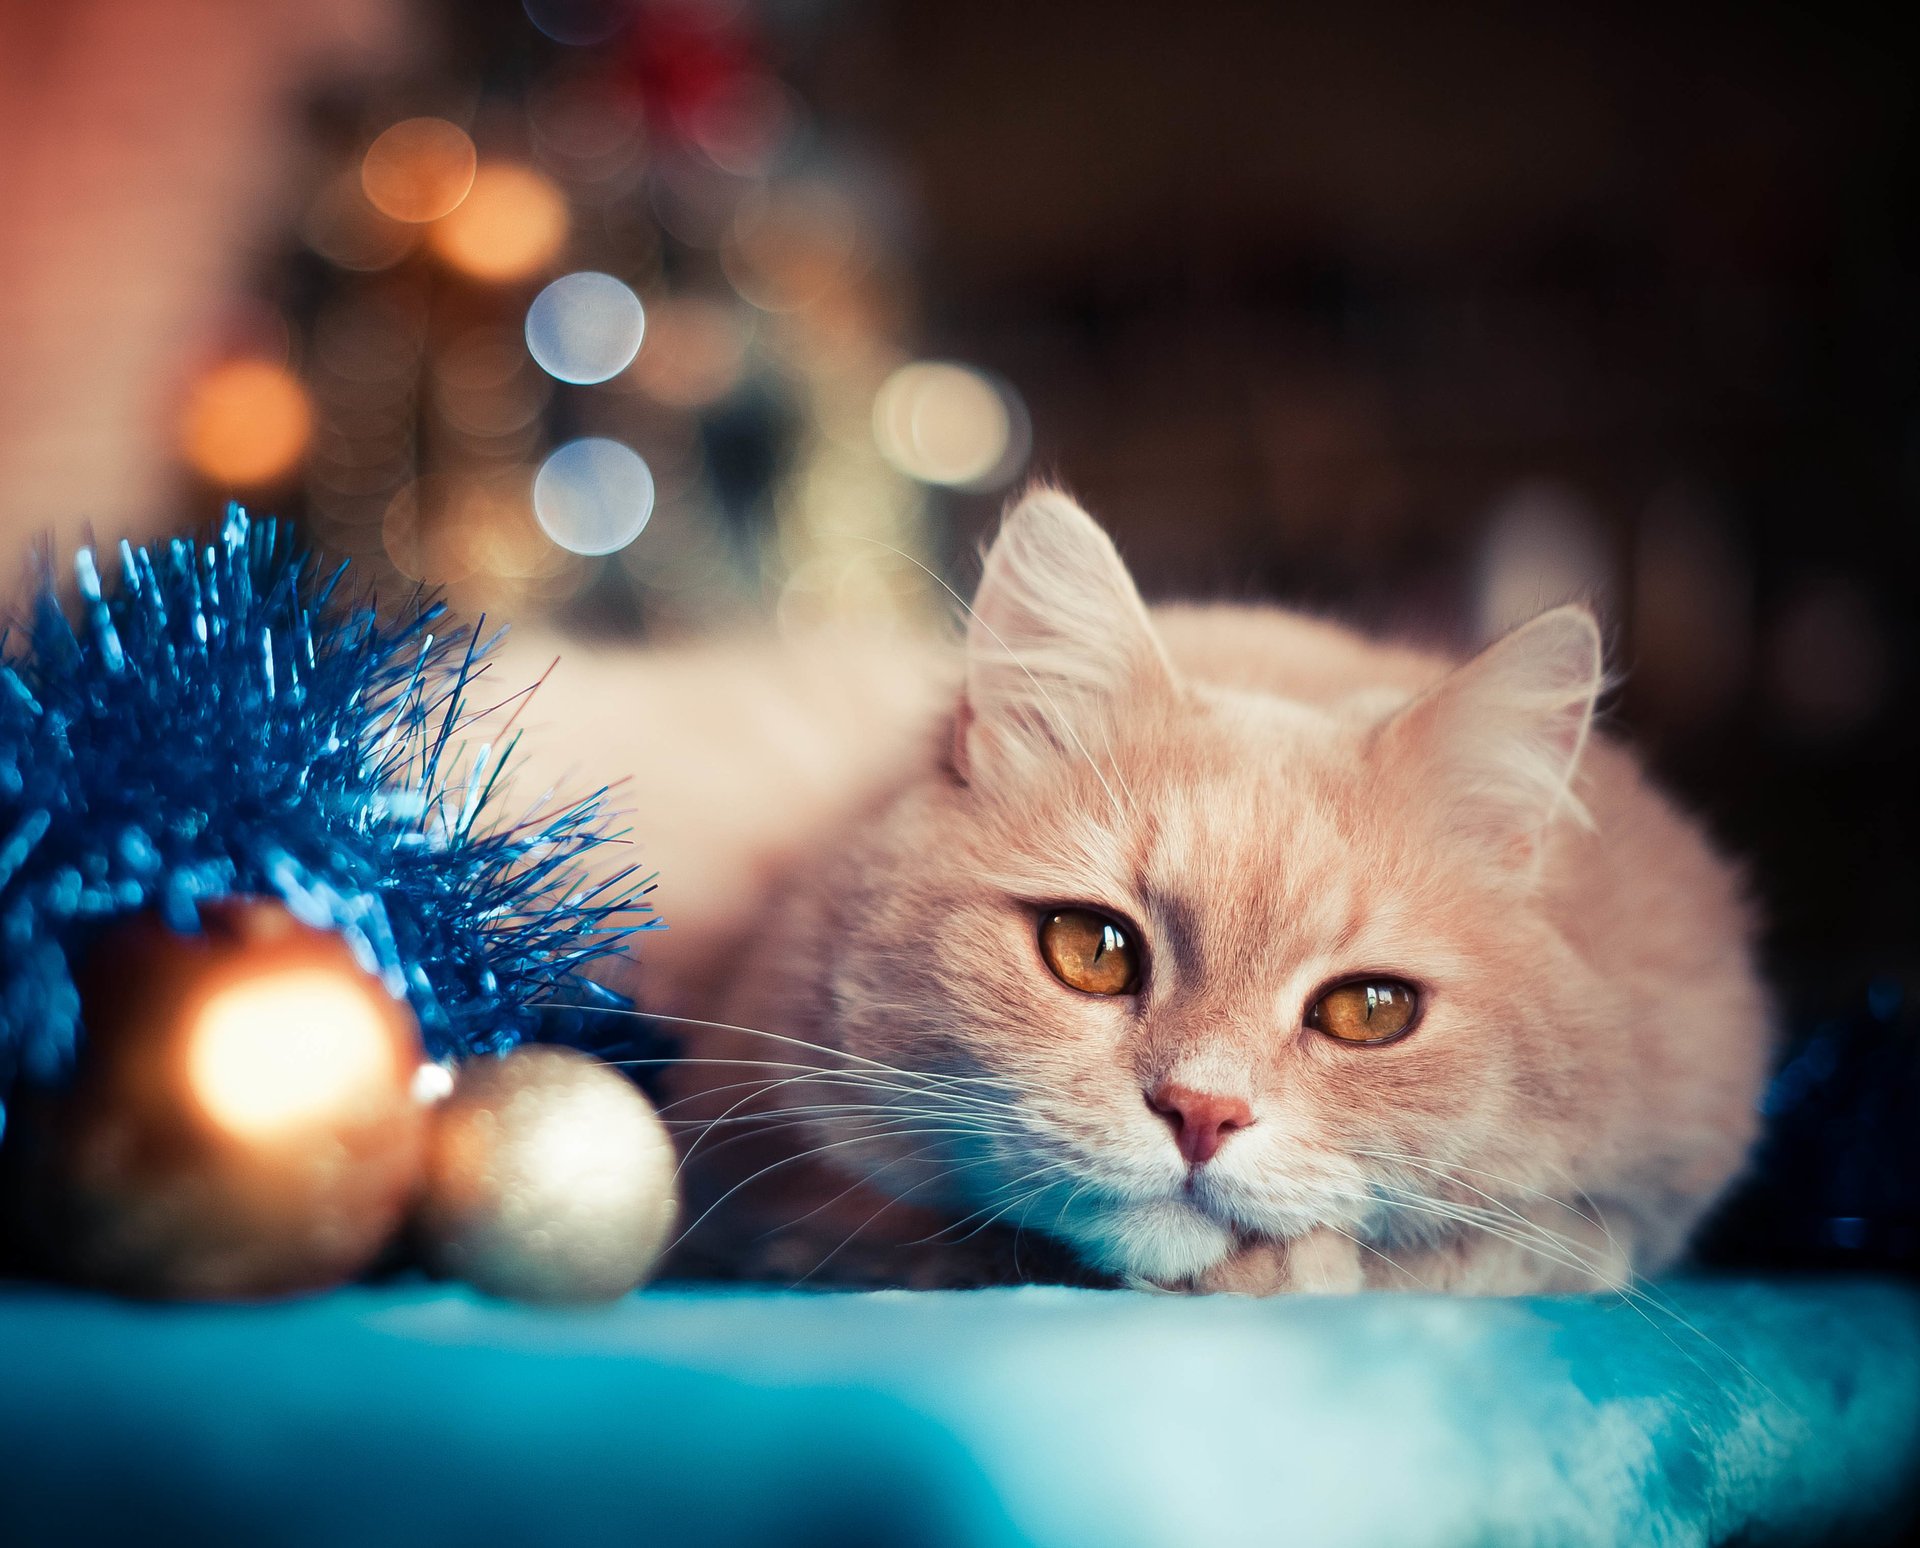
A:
(243, 1121)
(549, 1178)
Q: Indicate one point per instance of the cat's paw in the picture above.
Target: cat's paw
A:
(1321, 1262)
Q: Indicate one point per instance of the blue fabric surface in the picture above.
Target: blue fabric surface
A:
(424, 1415)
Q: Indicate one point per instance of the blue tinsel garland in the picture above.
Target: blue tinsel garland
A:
(221, 723)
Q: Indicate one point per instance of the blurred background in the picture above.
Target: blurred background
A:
(643, 319)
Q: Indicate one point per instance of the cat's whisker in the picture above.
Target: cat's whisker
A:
(686, 1158)
(1556, 1250)
(1060, 1214)
(876, 1128)
(1020, 1225)
(1597, 1214)
(1611, 1270)
(925, 1078)
(1567, 1253)
(783, 1113)
(992, 1214)
(857, 1081)
(1605, 1268)
(766, 1083)
(851, 1187)
(779, 1037)
(1383, 1256)
(805, 1155)
(1028, 1199)
(877, 1125)
(852, 1235)
(783, 1116)
(1631, 1295)
(940, 1236)
(711, 1092)
(730, 1141)
(1020, 1182)
(836, 1123)
(856, 1078)
(1635, 1289)
(1453, 1169)
(1502, 1220)
(887, 1094)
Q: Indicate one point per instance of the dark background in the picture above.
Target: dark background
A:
(1298, 294)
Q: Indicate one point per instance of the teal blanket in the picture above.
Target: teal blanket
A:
(1728, 1411)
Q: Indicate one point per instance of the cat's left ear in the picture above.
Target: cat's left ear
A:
(1058, 641)
(1497, 742)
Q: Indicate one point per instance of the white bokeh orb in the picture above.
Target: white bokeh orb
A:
(593, 495)
(585, 328)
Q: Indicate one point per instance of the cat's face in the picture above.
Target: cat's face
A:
(1175, 966)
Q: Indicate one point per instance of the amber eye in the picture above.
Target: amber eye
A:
(1089, 952)
(1366, 1010)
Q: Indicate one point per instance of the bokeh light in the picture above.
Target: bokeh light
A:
(684, 558)
(443, 528)
(589, 132)
(246, 423)
(950, 424)
(694, 201)
(345, 229)
(578, 23)
(1693, 610)
(418, 170)
(743, 127)
(1543, 547)
(363, 356)
(1828, 658)
(593, 495)
(791, 246)
(511, 225)
(278, 1052)
(585, 327)
(484, 386)
(696, 351)
(254, 330)
(372, 341)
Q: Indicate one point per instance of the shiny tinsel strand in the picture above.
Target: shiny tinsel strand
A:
(222, 722)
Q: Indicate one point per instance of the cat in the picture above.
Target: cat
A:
(1206, 948)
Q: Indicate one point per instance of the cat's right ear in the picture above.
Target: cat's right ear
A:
(1498, 740)
(1057, 641)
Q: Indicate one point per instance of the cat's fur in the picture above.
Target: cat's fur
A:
(856, 848)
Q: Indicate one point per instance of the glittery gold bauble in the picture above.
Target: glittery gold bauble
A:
(549, 1178)
(243, 1121)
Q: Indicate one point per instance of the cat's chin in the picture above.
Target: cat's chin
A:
(1161, 1242)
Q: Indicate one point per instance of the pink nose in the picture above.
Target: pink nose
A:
(1200, 1120)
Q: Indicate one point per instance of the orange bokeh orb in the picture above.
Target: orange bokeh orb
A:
(511, 225)
(418, 170)
(694, 354)
(246, 423)
(251, 1117)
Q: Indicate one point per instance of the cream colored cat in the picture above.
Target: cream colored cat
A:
(1219, 946)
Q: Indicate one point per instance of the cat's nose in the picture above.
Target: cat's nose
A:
(1200, 1120)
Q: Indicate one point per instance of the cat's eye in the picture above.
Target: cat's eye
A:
(1089, 951)
(1366, 1010)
